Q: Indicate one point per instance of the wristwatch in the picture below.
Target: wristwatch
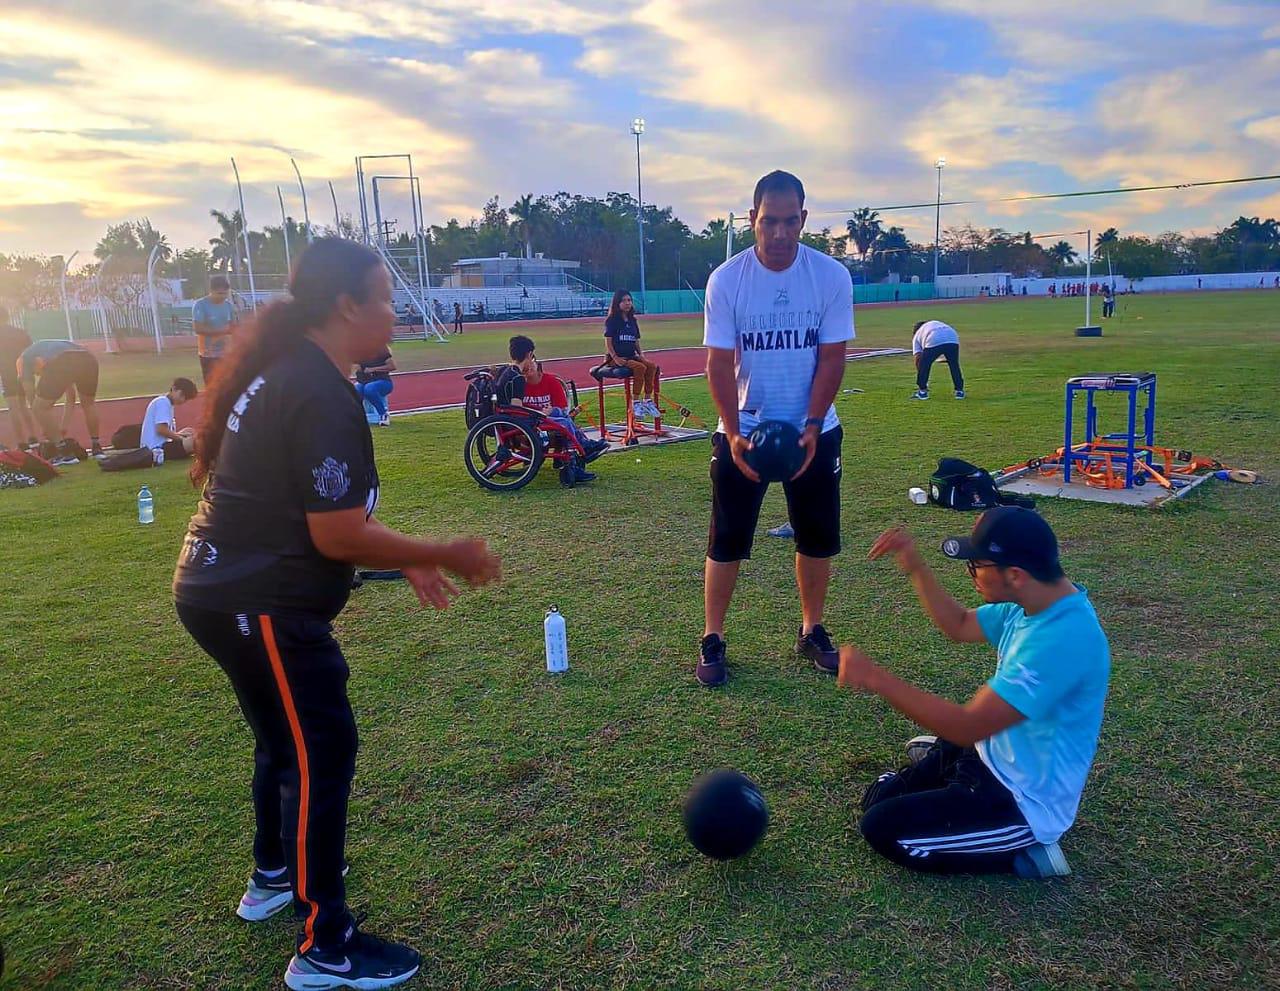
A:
(814, 421)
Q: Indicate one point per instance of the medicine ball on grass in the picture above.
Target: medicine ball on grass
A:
(775, 453)
(725, 815)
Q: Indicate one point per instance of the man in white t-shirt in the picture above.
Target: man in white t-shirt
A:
(777, 320)
(934, 339)
(159, 427)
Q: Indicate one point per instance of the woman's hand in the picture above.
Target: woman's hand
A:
(472, 561)
(432, 587)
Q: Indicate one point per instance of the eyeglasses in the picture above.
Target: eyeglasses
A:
(973, 567)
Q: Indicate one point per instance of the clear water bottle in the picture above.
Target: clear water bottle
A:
(557, 641)
(146, 506)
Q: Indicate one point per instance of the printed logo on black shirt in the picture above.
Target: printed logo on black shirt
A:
(332, 480)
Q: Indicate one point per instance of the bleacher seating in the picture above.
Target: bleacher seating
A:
(510, 303)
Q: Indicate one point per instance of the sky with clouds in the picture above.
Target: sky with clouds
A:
(122, 109)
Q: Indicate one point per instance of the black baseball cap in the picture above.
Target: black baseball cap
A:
(1010, 536)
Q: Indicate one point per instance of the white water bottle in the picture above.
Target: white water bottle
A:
(557, 641)
(146, 506)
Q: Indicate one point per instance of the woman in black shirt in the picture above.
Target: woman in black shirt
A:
(290, 488)
(622, 337)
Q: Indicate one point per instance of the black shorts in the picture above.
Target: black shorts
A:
(813, 503)
(174, 450)
(78, 368)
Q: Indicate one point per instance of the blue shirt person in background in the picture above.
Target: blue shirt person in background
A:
(1001, 781)
(213, 319)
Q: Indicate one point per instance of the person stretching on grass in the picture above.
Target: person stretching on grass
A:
(1000, 782)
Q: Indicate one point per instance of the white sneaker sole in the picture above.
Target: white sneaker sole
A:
(259, 911)
(300, 980)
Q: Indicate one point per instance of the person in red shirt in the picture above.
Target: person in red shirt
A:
(523, 383)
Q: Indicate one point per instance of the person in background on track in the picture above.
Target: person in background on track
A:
(213, 319)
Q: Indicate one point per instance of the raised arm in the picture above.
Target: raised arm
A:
(954, 620)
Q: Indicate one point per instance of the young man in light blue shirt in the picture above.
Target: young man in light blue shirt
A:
(1000, 783)
(213, 321)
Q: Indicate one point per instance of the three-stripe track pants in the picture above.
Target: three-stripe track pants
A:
(291, 680)
(945, 815)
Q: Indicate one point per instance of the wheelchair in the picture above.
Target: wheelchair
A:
(507, 445)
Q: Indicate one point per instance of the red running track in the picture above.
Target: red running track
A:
(441, 388)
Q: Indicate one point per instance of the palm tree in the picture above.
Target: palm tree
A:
(226, 249)
(149, 238)
(1106, 239)
(531, 219)
(1062, 254)
(864, 227)
(894, 248)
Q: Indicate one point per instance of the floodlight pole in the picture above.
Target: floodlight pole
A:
(728, 239)
(637, 128)
(151, 291)
(284, 233)
(337, 221)
(937, 224)
(62, 285)
(306, 215)
(248, 253)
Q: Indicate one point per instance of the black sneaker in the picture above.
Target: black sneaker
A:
(265, 895)
(595, 449)
(713, 669)
(363, 961)
(817, 646)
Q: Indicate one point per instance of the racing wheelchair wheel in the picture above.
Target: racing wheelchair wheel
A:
(503, 453)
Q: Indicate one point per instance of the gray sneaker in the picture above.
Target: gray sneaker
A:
(918, 746)
(1041, 861)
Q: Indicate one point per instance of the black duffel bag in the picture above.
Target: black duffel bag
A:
(956, 484)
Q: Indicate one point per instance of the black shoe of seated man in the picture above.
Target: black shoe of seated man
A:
(363, 961)
(582, 475)
(713, 666)
(817, 646)
(594, 449)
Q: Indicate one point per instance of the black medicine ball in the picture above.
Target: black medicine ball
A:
(775, 454)
(725, 814)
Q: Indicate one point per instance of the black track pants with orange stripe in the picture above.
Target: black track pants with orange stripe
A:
(291, 680)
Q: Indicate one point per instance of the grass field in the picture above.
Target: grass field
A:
(523, 831)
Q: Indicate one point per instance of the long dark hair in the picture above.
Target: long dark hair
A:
(328, 269)
(613, 306)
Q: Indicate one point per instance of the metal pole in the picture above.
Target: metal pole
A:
(306, 215)
(640, 219)
(364, 205)
(151, 291)
(937, 228)
(102, 312)
(424, 273)
(62, 283)
(728, 239)
(244, 230)
(284, 232)
(377, 215)
(1088, 273)
(337, 221)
